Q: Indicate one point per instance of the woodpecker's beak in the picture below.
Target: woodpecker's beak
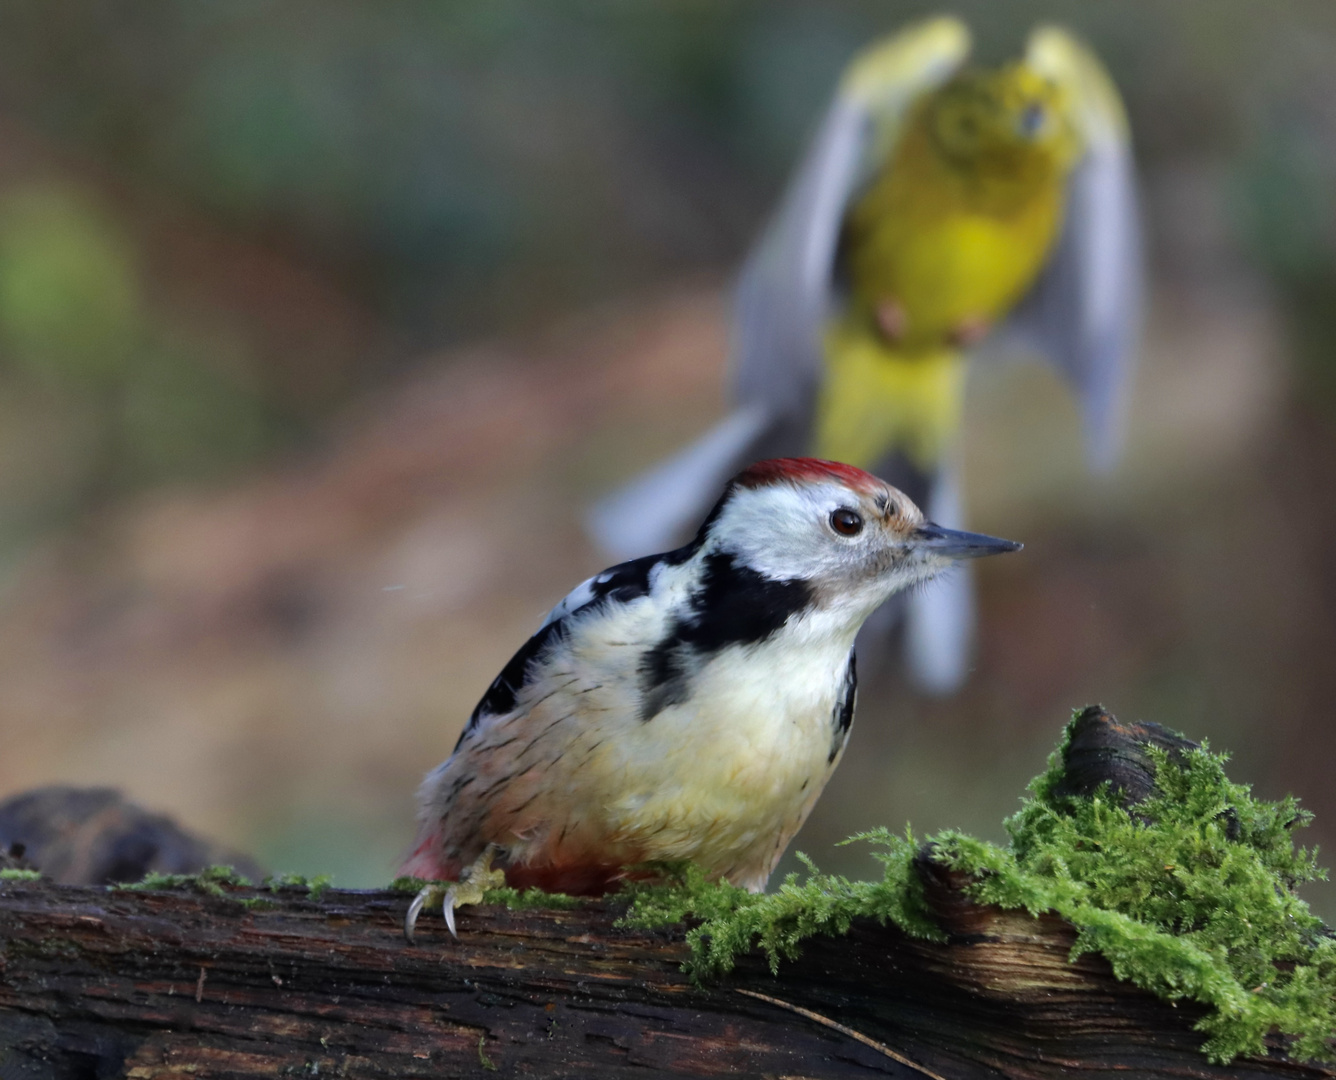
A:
(954, 544)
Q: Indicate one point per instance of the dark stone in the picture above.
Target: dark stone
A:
(95, 836)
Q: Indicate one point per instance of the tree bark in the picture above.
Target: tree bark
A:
(98, 983)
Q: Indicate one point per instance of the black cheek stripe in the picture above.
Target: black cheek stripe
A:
(735, 605)
(738, 606)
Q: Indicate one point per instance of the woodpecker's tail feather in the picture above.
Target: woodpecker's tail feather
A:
(658, 510)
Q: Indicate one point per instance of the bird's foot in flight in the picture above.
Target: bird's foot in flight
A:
(970, 331)
(471, 887)
(892, 319)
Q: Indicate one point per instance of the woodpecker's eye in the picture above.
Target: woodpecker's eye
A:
(846, 522)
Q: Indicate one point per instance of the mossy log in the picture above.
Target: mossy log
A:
(155, 984)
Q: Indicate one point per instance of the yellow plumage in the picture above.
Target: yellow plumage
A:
(948, 235)
(874, 399)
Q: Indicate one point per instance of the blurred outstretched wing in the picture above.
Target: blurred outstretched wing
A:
(784, 294)
(1084, 312)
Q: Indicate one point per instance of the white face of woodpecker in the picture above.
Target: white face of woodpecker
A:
(852, 539)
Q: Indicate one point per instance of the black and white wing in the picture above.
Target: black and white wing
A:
(622, 584)
(1084, 311)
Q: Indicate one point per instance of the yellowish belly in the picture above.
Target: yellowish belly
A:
(723, 780)
(733, 783)
(949, 244)
(964, 268)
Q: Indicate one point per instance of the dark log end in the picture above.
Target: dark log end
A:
(1103, 749)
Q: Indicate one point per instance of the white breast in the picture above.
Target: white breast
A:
(726, 777)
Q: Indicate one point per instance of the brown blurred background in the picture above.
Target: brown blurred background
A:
(321, 322)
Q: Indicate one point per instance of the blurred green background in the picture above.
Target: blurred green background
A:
(320, 323)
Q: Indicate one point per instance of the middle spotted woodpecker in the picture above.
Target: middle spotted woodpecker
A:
(684, 706)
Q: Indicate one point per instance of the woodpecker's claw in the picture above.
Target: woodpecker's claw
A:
(448, 910)
(471, 887)
(415, 909)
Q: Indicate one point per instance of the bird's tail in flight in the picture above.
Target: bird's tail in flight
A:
(939, 617)
(658, 509)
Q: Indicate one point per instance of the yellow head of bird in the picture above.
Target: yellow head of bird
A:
(1008, 119)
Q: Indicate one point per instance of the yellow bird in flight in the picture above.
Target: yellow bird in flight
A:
(938, 206)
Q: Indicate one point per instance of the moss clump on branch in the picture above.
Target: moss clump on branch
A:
(1190, 895)
(531, 899)
(734, 921)
(220, 880)
(314, 887)
(209, 881)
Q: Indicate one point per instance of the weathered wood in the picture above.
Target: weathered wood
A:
(168, 984)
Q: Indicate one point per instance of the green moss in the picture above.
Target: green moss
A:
(315, 887)
(216, 880)
(530, 899)
(1191, 898)
(154, 882)
(483, 1060)
(734, 921)
(279, 882)
(210, 880)
(11, 873)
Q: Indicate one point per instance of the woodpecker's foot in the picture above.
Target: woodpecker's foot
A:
(970, 331)
(891, 319)
(472, 885)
